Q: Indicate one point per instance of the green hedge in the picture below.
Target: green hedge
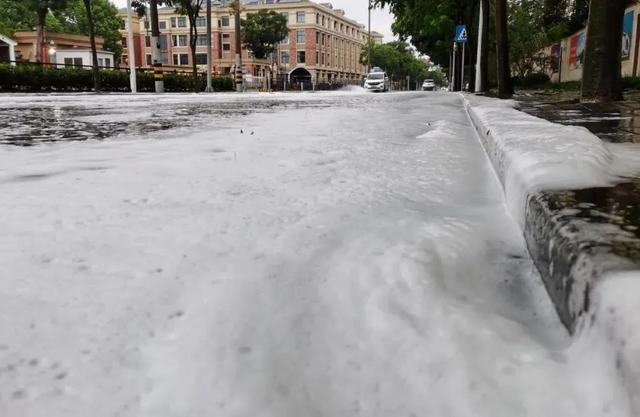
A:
(34, 78)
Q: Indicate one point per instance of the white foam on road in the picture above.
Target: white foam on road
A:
(336, 262)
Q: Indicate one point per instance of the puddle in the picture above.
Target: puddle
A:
(28, 126)
(611, 122)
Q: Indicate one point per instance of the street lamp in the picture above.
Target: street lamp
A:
(52, 52)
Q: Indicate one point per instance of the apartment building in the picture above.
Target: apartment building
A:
(323, 44)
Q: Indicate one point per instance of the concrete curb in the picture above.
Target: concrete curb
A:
(586, 271)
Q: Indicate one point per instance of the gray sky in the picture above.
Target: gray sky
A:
(381, 20)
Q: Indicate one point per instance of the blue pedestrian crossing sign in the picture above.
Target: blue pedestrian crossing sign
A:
(461, 33)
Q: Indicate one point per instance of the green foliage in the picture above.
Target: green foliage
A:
(398, 60)
(430, 24)
(262, 30)
(73, 19)
(33, 77)
(16, 15)
(69, 16)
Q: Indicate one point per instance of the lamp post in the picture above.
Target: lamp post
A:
(52, 53)
(132, 49)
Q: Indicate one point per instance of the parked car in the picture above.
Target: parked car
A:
(377, 80)
(428, 85)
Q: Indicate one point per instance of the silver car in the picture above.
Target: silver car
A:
(428, 85)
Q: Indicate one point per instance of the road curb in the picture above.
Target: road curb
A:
(586, 274)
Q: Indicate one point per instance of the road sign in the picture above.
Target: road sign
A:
(461, 33)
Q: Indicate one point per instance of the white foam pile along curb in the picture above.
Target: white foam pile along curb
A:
(531, 155)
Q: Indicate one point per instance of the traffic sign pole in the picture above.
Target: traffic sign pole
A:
(462, 71)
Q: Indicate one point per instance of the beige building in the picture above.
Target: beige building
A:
(323, 44)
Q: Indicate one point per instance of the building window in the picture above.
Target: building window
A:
(147, 41)
(285, 41)
(146, 24)
(162, 24)
(179, 40)
(301, 38)
(163, 42)
(317, 58)
(284, 58)
(148, 59)
(124, 42)
(180, 59)
(301, 57)
(317, 37)
(322, 20)
(180, 22)
(201, 21)
(68, 62)
(323, 39)
(224, 21)
(107, 62)
(201, 40)
(201, 59)
(317, 19)
(123, 24)
(299, 17)
(285, 15)
(226, 42)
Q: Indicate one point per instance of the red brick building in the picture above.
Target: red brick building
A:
(323, 44)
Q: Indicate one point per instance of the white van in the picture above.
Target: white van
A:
(377, 80)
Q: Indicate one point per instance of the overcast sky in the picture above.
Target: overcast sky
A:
(356, 9)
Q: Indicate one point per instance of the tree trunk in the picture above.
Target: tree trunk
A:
(239, 73)
(192, 45)
(94, 51)
(484, 58)
(43, 9)
(156, 54)
(505, 88)
(601, 77)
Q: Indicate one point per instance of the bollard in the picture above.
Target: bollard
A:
(158, 76)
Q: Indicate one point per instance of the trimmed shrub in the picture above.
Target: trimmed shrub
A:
(535, 79)
(36, 78)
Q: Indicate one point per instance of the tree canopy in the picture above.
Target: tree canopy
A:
(262, 30)
(399, 61)
(69, 16)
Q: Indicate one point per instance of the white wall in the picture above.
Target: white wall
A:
(85, 55)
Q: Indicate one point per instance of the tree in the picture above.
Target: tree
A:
(525, 42)
(601, 77)
(94, 51)
(399, 61)
(16, 15)
(107, 21)
(43, 7)
(505, 87)
(262, 30)
(156, 53)
(191, 8)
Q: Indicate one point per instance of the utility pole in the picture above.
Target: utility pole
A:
(132, 50)
(369, 42)
(462, 71)
(209, 88)
(239, 76)
(479, 87)
(155, 47)
(455, 63)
